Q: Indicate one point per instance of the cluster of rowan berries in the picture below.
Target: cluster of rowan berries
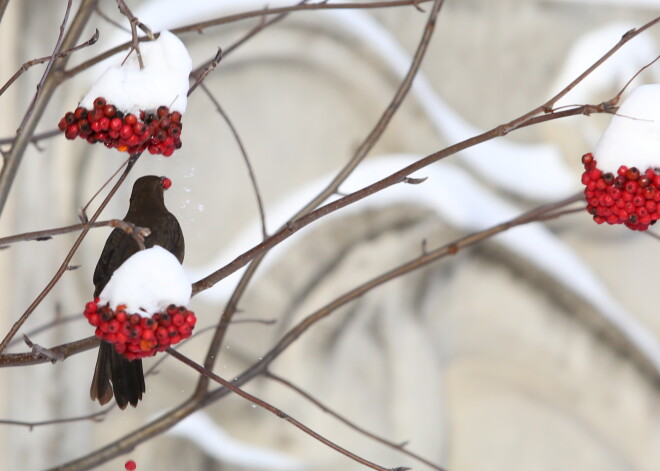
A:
(134, 336)
(158, 132)
(631, 197)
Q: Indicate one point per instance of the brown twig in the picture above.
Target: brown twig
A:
(95, 417)
(3, 7)
(201, 73)
(198, 27)
(66, 350)
(50, 81)
(246, 159)
(285, 232)
(135, 23)
(278, 412)
(35, 138)
(41, 60)
(424, 259)
(197, 402)
(17, 325)
(107, 18)
(400, 447)
(47, 234)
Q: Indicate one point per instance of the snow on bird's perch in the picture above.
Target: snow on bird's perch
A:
(142, 309)
(148, 282)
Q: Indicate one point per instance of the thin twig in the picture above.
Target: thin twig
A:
(168, 420)
(41, 60)
(360, 153)
(110, 20)
(400, 447)
(135, 23)
(95, 417)
(201, 74)
(246, 159)
(63, 267)
(47, 234)
(35, 138)
(198, 27)
(50, 81)
(278, 412)
(83, 211)
(66, 350)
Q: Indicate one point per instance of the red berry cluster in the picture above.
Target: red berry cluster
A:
(135, 336)
(158, 132)
(630, 197)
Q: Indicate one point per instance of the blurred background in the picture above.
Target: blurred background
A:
(537, 350)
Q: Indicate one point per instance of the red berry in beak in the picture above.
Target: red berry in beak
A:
(165, 182)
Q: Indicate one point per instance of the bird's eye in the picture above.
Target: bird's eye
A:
(165, 182)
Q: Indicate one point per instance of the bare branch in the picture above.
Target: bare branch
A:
(48, 234)
(17, 325)
(50, 81)
(246, 159)
(198, 27)
(201, 72)
(285, 232)
(274, 410)
(135, 23)
(397, 446)
(41, 60)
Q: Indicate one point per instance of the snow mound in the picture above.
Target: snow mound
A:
(633, 136)
(163, 81)
(147, 283)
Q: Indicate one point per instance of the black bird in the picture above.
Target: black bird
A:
(146, 209)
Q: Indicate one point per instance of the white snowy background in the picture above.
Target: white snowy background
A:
(469, 192)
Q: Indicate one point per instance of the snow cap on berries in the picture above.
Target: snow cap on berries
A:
(162, 82)
(148, 282)
(633, 136)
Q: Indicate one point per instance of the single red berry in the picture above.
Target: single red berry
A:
(104, 123)
(99, 102)
(632, 173)
(178, 319)
(130, 465)
(586, 158)
(175, 130)
(130, 119)
(95, 115)
(165, 122)
(109, 111)
(176, 118)
(168, 151)
(62, 124)
(85, 128)
(162, 111)
(72, 131)
(185, 330)
(165, 182)
(126, 132)
(116, 124)
(80, 113)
